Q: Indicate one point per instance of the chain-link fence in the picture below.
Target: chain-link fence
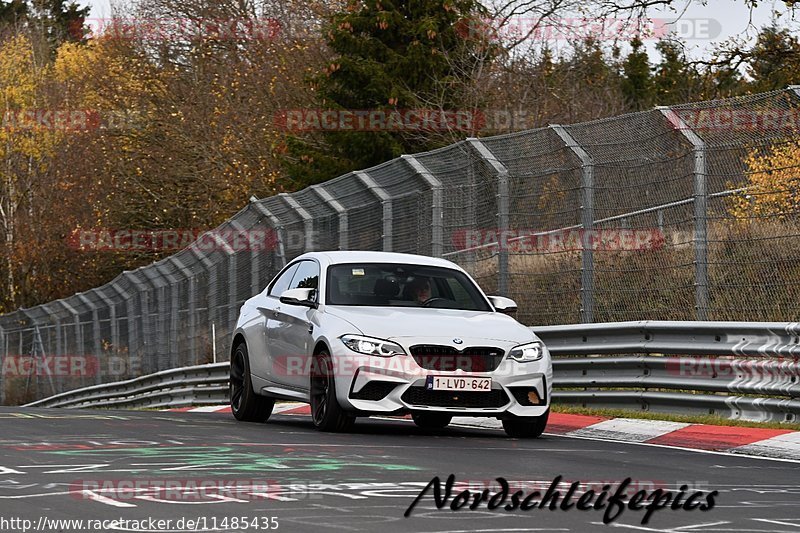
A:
(683, 213)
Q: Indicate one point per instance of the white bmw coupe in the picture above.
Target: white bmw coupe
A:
(376, 333)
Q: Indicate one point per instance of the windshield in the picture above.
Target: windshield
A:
(401, 285)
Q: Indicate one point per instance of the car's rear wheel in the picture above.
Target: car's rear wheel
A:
(246, 405)
(529, 427)
(431, 420)
(326, 413)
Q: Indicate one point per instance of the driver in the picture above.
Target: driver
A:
(420, 289)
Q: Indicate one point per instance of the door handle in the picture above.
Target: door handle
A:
(275, 312)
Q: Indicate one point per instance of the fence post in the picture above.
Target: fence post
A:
(276, 225)
(211, 269)
(386, 202)
(230, 254)
(191, 308)
(308, 221)
(144, 310)
(57, 321)
(76, 317)
(700, 211)
(3, 355)
(130, 313)
(587, 221)
(171, 337)
(340, 211)
(503, 208)
(437, 209)
(159, 288)
(112, 316)
(97, 345)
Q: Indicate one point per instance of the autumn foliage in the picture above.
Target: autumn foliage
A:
(773, 184)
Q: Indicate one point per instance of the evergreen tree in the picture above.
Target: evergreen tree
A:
(390, 55)
(637, 81)
(775, 60)
(675, 81)
(57, 21)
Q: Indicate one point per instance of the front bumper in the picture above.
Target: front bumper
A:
(375, 385)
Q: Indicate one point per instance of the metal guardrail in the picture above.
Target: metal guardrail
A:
(670, 337)
(740, 370)
(192, 385)
(743, 381)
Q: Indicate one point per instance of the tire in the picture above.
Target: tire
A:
(246, 405)
(431, 420)
(326, 413)
(526, 427)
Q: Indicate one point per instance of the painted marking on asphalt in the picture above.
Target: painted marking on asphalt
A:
(708, 437)
(628, 429)
(209, 409)
(681, 448)
(781, 522)
(92, 495)
(778, 446)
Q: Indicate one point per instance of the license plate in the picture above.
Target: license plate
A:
(458, 384)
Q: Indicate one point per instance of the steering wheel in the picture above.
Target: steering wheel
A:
(429, 301)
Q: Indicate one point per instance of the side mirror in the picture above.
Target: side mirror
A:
(503, 305)
(302, 297)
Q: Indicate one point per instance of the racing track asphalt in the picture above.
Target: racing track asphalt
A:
(139, 465)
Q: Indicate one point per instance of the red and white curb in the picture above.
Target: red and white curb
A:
(761, 442)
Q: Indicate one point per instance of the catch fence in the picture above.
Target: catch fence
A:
(681, 213)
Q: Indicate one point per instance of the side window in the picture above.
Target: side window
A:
(282, 283)
(306, 277)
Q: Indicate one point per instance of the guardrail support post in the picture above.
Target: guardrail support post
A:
(503, 208)
(437, 209)
(386, 202)
(587, 221)
(700, 211)
(340, 211)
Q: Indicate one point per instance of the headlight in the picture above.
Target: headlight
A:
(370, 346)
(525, 353)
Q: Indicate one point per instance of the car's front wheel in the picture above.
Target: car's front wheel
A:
(431, 420)
(246, 405)
(527, 427)
(326, 413)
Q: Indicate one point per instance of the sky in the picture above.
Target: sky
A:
(702, 26)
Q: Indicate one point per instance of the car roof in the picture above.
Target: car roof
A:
(360, 256)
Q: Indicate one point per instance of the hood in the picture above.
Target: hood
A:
(398, 322)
